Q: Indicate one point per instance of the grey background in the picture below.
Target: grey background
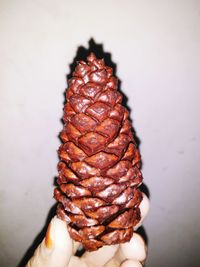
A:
(155, 45)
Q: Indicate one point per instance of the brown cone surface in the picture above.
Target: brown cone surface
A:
(99, 164)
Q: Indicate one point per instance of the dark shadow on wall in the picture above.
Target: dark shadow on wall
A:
(82, 54)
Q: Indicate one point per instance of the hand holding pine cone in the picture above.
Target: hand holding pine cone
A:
(99, 164)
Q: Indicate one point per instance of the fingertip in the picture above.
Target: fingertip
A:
(62, 244)
(144, 206)
(76, 246)
(56, 247)
(60, 235)
(144, 209)
(135, 249)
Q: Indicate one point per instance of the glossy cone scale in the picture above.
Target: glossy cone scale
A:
(99, 164)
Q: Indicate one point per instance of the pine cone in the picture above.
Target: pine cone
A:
(99, 164)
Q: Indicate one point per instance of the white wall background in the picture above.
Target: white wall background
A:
(156, 47)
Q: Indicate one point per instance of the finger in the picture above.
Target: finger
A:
(131, 263)
(144, 209)
(112, 263)
(126, 263)
(77, 262)
(55, 249)
(135, 249)
(101, 256)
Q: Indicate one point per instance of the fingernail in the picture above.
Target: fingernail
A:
(48, 237)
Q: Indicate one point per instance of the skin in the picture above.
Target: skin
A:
(58, 249)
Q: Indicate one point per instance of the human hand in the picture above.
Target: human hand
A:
(58, 249)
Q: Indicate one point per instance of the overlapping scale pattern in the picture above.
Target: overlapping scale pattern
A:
(99, 168)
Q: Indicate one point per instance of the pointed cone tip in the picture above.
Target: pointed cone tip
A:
(91, 57)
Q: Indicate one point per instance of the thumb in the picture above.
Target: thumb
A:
(55, 249)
